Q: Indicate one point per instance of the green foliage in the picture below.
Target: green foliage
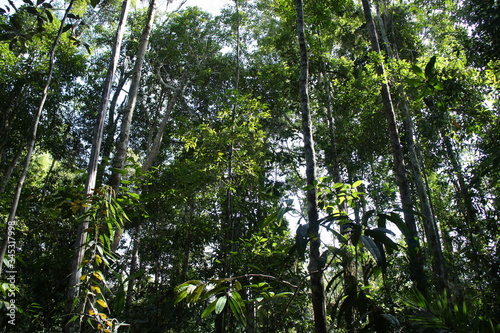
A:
(445, 312)
(104, 216)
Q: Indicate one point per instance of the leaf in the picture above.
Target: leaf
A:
(98, 275)
(373, 248)
(49, 15)
(237, 285)
(357, 183)
(220, 304)
(198, 292)
(391, 319)
(301, 239)
(255, 267)
(120, 171)
(210, 308)
(32, 10)
(438, 85)
(96, 289)
(237, 306)
(102, 303)
(67, 27)
(418, 71)
(367, 216)
(429, 68)
(119, 301)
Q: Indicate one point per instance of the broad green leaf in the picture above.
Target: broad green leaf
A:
(220, 304)
(236, 304)
(429, 68)
(357, 183)
(198, 292)
(418, 71)
(209, 309)
(373, 248)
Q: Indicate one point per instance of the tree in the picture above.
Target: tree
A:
(416, 259)
(316, 274)
(81, 240)
(31, 146)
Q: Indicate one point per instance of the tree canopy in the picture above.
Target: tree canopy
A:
(285, 166)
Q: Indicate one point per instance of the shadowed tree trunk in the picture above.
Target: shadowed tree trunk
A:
(122, 144)
(429, 220)
(11, 222)
(315, 273)
(416, 259)
(76, 270)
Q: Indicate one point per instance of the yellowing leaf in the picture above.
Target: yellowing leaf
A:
(96, 289)
(102, 303)
(98, 259)
(91, 312)
(109, 323)
(83, 277)
(97, 275)
(103, 315)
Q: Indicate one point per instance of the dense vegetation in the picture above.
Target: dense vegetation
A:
(286, 166)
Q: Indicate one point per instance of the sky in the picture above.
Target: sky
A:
(211, 6)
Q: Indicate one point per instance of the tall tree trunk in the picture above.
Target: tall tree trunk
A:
(429, 221)
(11, 222)
(415, 255)
(122, 144)
(110, 129)
(315, 272)
(133, 268)
(10, 169)
(76, 270)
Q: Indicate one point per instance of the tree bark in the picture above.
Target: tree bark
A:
(76, 269)
(417, 273)
(11, 222)
(122, 144)
(315, 272)
(429, 221)
(110, 130)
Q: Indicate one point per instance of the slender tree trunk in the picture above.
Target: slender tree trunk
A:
(133, 268)
(10, 226)
(429, 221)
(76, 269)
(415, 255)
(110, 129)
(154, 150)
(10, 169)
(122, 144)
(463, 188)
(315, 273)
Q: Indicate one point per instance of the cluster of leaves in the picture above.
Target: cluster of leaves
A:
(219, 292)
(105, 216)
